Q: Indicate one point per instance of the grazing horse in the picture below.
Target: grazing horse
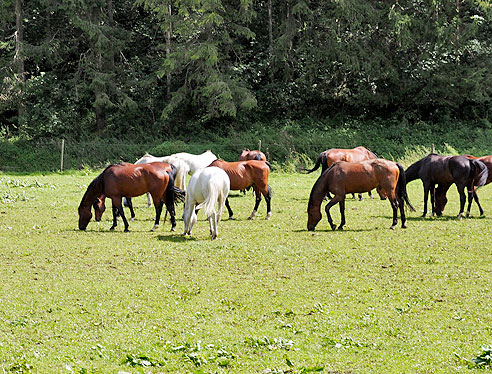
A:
(329, 157)
(444, 171)
(129, 180)
(441, 199)
(246, 154)
(182, 169)
(196, 162)
(357, 177)
(206, 188)
(245, 174)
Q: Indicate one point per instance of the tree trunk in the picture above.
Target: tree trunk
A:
(270, 28)
(19, 57)
(168, 49)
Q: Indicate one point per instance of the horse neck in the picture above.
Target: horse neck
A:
(413, 171)
(95, 190)
(318, 193)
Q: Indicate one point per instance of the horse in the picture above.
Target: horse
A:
(245, 174)
(357, 177)
(441, 199)
(129, 180)
(246, 154)
(182, 169)
(329, 157)
(444, 171)
(196, 162)
(206, 188)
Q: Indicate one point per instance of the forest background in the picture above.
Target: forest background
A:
(116, 78)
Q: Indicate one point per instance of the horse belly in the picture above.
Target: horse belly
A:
(360, 183)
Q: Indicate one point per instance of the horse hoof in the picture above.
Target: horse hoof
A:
(333, 227)
(392, 227)
(111, 228)
(126, 230)
(268, 216)
(132, 219)
(251, 217)
(154, 228)
(231, 217)
(173, 229)
(403, 226)
(340, 228)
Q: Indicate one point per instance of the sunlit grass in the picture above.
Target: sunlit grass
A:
(267, 296)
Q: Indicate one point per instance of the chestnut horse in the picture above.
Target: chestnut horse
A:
(246, 154)
(357, 177)
(129, 180)
(245, 174)
(329, 157)
(444, 171)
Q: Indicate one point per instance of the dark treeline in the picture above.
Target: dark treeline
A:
(172, 67)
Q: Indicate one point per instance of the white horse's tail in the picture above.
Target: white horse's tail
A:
(208, 205)
(181, 174)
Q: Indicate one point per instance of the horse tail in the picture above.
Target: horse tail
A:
(401, 187)
(173, 194)
(208, 205)
(479, 173)
(316, 166)
(181, 177)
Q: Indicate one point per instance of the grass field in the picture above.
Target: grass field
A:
(266, 297)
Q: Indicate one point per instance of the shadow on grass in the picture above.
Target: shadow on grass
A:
(175, 238)
(336, 231)
(435, 218)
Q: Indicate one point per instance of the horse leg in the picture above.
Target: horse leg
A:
(342, 214)
(461, 190)
(118, 209)
(149, 200)
(257, 203)
(475, 196)
(228, 208)
(115, 218)
(394, 205)
(172, 214)
(130, 206)
(433, 199)
(426, 196)
(328, 207)
(401, 205)
(158, 204)
(268, 200)
(370, 195)
(213, 225)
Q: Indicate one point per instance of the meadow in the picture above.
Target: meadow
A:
(265, 297)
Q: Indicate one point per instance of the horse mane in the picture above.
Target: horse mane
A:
(372, 153)
(96, 184)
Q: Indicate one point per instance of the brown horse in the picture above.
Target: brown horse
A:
(245, 174)
(329, 157)
(357, 177)
(246, 154)
(129, 180)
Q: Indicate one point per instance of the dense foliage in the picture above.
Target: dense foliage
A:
(169, 68)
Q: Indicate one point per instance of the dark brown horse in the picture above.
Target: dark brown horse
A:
(246, 154)
(129, 180)
(329, 157)
(357, 177)
(245, 174)
(444, 171)
(441, 199)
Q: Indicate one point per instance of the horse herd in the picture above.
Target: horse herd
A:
(343, 171)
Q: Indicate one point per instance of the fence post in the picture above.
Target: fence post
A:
(62, 154)
(259, 145)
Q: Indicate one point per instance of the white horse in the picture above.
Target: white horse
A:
(182, 169)
(206, 188)
(196, 162)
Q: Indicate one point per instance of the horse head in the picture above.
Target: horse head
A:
(99, 207)
(314, 216)
(85, 216)
(440, 201)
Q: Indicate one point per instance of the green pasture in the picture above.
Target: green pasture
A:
(266, 297)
